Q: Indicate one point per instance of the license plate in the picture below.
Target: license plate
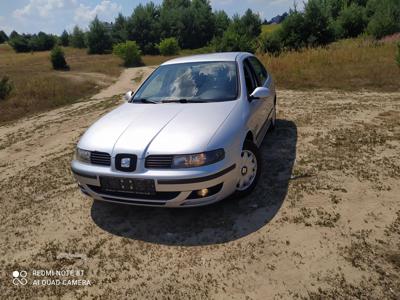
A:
(129, 185)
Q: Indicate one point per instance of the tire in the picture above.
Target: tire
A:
(250, 170)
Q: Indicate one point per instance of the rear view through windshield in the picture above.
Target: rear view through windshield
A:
(198, 81)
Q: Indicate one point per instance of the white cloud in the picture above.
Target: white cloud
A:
(42, 8)
(106, 11)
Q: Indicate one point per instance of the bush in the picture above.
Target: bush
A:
(271, 43)
(35, 42)
(58, 59)
(292, 32)
(129, 52)
(233, 41)
(5, 87)
(351, 21)
(98, 38)
(169, 46)
(398, 55)
(42, 42)
(20, 43)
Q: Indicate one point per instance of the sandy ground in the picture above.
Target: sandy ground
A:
(323, 223)
(128, 80)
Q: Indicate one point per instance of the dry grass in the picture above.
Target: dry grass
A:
(38, 87)
(345, 65)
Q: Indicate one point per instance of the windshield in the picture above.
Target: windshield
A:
(190, 82)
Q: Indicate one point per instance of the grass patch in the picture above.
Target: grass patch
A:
(346, 65)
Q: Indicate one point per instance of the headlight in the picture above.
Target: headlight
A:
(198, 159)
(82, 155)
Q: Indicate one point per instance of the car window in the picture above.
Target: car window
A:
(259, 70)
(197, 81)
(249, 79)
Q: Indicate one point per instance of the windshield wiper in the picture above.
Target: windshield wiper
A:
(144, 100)
(182, 100)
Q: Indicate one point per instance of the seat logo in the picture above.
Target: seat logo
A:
(125, 162)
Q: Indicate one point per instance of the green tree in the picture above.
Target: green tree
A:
(64, 38)
(77, 38)
(98, 38)
(222, 22)
(169, 46)
(129, 52)
(119, 31)
(42, 42)
(241, 34)
(384, 17)
(57, 58)
(351, 21)
(250, 24)
(317, 25)
(13, 34)
(143, 26)
(3, 37)
(171, 20)
(199, 24)
(192, 23)
(292, 32)
(333, 7)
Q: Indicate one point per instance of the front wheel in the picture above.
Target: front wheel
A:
(250, 169)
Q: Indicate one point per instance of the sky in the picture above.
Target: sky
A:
(53, 16)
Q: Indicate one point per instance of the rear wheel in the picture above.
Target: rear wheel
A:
(250, 168)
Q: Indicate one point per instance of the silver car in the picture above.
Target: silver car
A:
(189, 135)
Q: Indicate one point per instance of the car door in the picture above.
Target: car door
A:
(256, 117)
(263, 80)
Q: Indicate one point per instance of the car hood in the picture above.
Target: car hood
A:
(143, 129)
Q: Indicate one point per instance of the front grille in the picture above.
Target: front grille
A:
(159, 162)
(100, 158)
(161, 196)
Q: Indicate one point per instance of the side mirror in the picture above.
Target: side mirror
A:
(128, 96)
(260, 92)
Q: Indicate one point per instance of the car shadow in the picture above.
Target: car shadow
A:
(222, 222)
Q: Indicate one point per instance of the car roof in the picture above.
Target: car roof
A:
(222, 56)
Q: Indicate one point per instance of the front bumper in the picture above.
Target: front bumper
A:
(173, 187)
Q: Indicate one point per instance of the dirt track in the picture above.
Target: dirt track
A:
(324, 221)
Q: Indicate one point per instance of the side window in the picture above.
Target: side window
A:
(259, 70)
(248, 77)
